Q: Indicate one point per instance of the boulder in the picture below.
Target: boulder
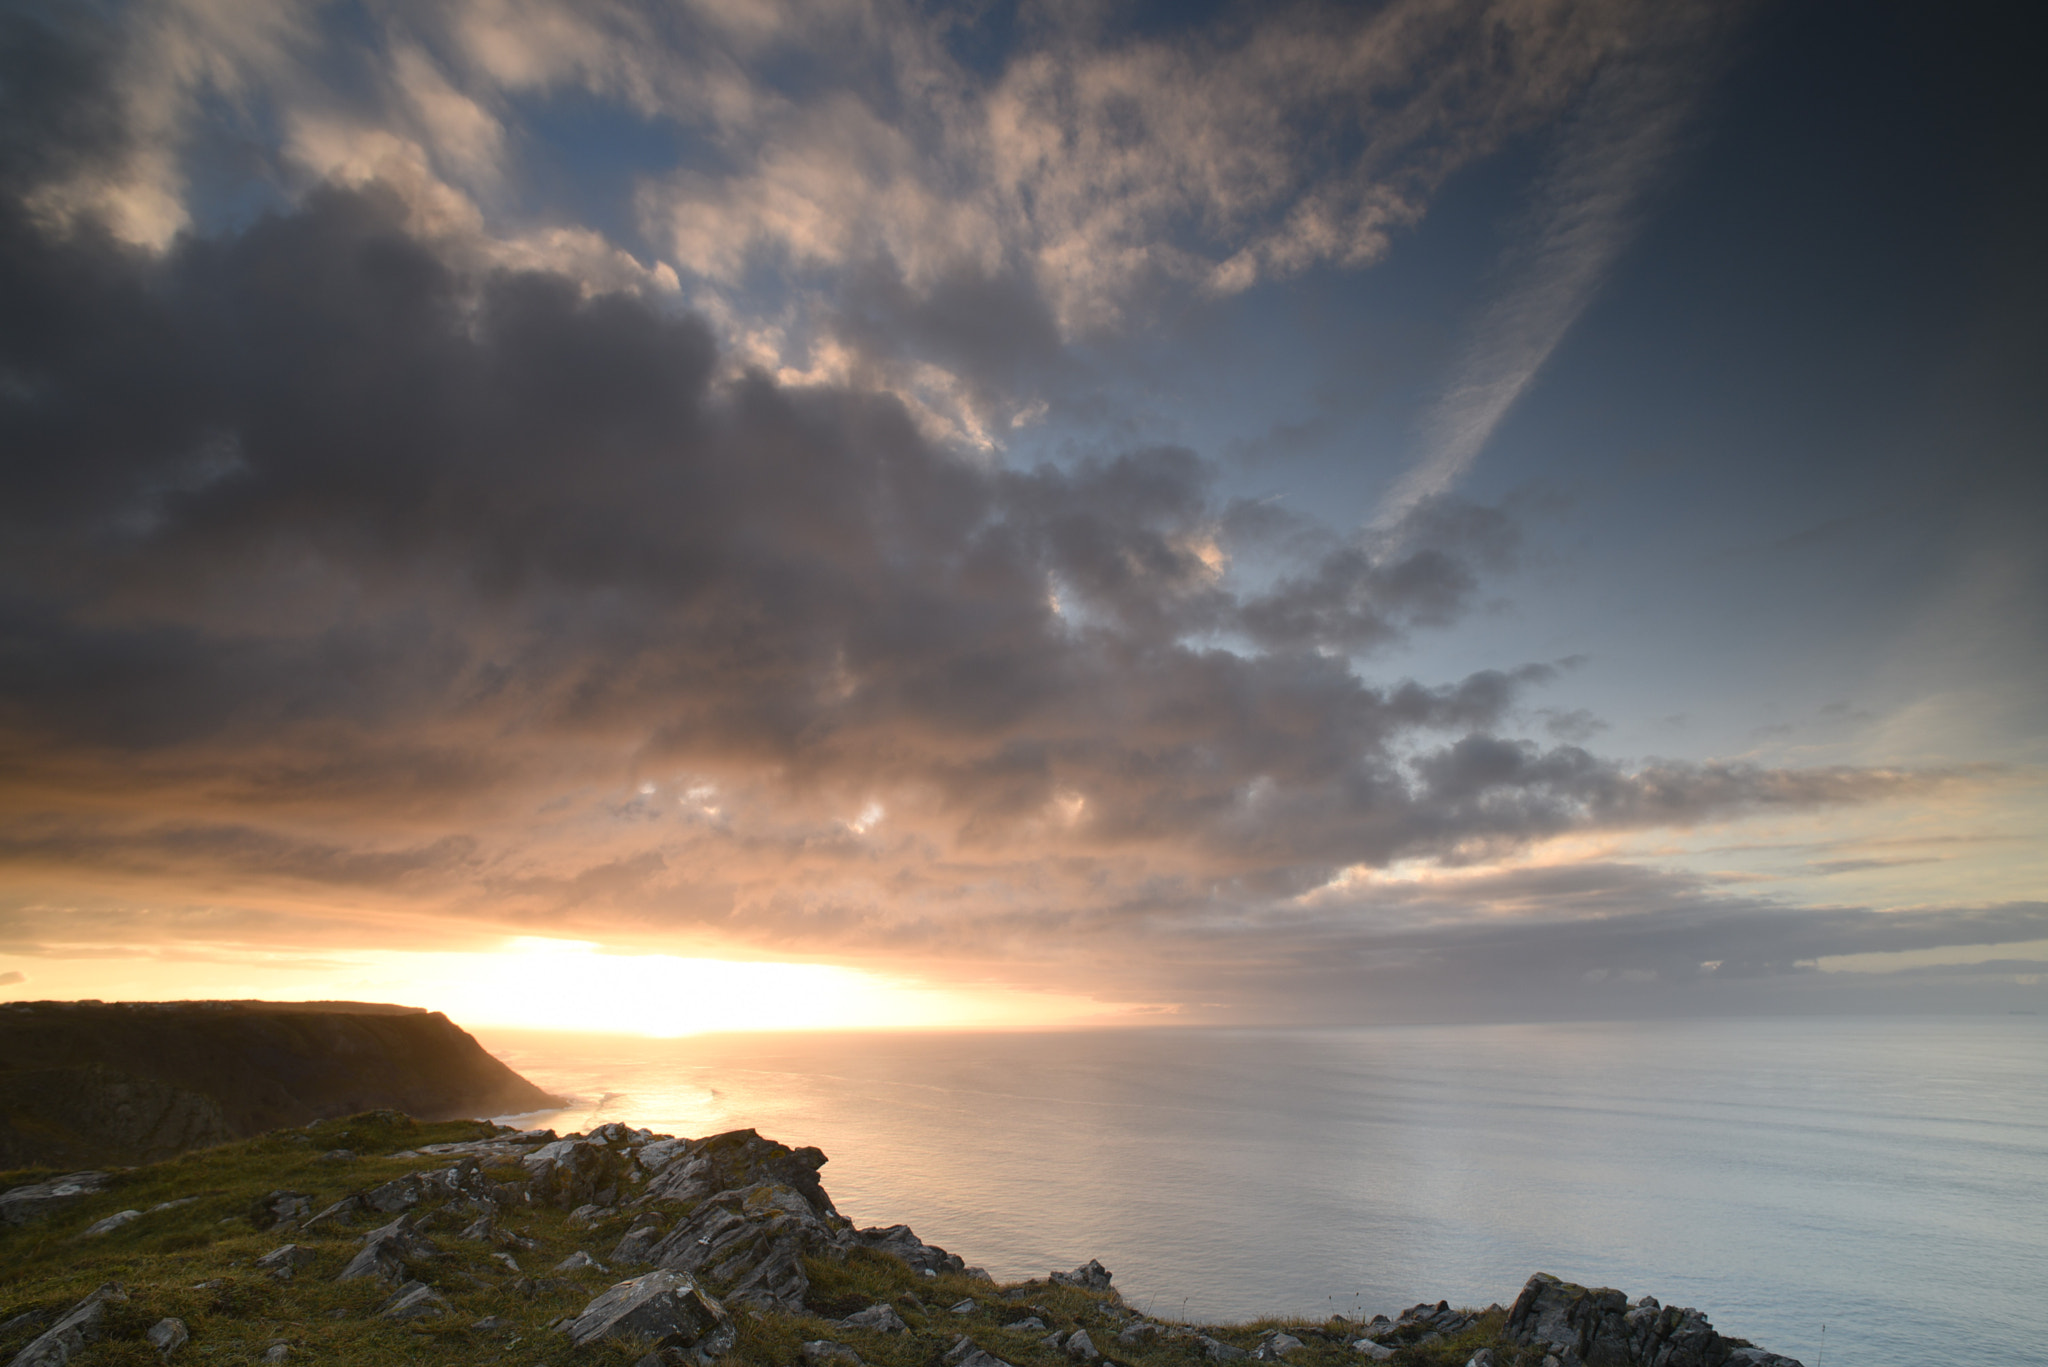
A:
(1598, 1327)
(877, 1319)
(285, 1260)
(1089, 1276)
(1080, 1348)
(661, 1305)
(79, 1326)
(278, 1207)
(899, 1242)
(414, 1301)
(168, 1335)
(826, 1353)
(1138, 1335)
(110, 1224)
(1274, 1345)
(388, 1252)
(578, 1261)
(19, 1205)
(575, 1172)
(638, 1244)
(1219, 1351)
(1378, 1352)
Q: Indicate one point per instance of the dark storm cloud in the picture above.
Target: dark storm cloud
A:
(386, 570)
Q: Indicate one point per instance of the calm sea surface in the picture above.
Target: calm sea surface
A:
(1888, 1179)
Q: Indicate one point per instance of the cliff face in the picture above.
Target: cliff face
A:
(87, 1082)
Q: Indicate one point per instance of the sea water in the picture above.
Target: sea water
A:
(1886, 1179)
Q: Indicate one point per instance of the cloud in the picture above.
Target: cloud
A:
(1582, 218)
(12, 977)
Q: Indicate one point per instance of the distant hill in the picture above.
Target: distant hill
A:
(85, 1083)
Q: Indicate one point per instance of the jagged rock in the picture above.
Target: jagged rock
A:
(342, 1212)
(879, 1319)
(1029, 1324)
(1482, 1358)
(1080, 1348)
(966, 1307)
(575, 1172)
(414, 1301)
(826, 1353)
(1089, 1276)
(661, 1305)
(638, 1244)
(1378, 1352)
(479, 1230)
(388, 1252)
(585, 1216)
(751, 1244)
(19, 1205)
(738, 1159)
(964, 1353)
(278, 1207)
(658, 1154)
(79, 1326)
(1274, 1345)
(110, 1224)
(898, 1241)
(1219, 1351)
(168, 1335)
(285, 1260)
(1139, 1334)
(1598, 1327)
(577, 1261)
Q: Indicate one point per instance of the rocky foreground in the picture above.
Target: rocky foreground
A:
(397, 1242)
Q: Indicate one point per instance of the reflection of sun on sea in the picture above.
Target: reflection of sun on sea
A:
(547, 984)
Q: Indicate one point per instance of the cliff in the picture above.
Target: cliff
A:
(85, 1083)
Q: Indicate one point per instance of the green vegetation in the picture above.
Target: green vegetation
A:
(196, 1261)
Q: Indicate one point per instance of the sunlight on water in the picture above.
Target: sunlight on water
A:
(1888, 1178)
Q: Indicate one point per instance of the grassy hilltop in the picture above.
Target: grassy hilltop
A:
(196, 1261)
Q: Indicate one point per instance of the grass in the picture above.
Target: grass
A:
(195, 1262)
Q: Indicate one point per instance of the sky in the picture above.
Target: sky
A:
(730, 514)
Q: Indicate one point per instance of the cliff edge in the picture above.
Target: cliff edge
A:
(86, 1083)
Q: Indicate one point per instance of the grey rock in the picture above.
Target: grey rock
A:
(665, 1306)
(491, 1324)
(964, 1353)
(966, 1307)
(277, 1352)
(285, 1260)
(1026, 1325)
(1089, 1276)
(1378, 1352)
(279, 1206)
(1599, 1327)
(876, 1319)
(19, 1205)
(575, 1172)
(1482, 1358)
(736, 1160)
(414, 1301)
(1275, 1345)
(826, 1353)
(897, 1240)
(110, 1224)
(79, 1326)
(657, 1155)
(577, 1261)
(168, 1335)
(1219, 1351)
(1139, 1334)
(1080, 1348)
(750, 1244)
(172, 1205)
(342, 1212)
(584, 1216)
(638, 1244)
(388, 1252)
(479, 1230)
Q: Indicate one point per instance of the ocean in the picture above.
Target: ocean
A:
(1870, 1192)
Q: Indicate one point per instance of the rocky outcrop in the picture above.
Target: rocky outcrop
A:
(1601, 1327)
(68, 1337)
(132, 1082)
(34, 1200)
(663, 1306)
